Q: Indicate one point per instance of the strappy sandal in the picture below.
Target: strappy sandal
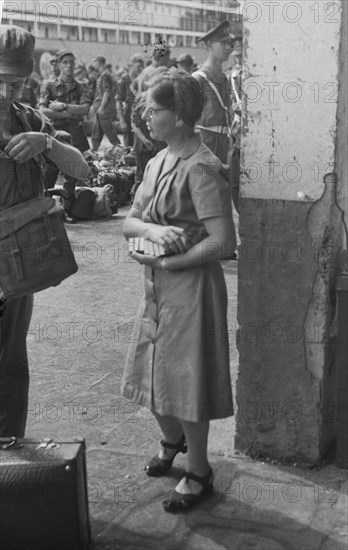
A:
(159, 467)
(178, 502)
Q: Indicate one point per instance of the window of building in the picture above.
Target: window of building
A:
(71, 33)
(180, 41)
(109, 36)
(147, 39)
(93, 35)
(124, 37)
(188, 40)
(135, 38)
(90, 35)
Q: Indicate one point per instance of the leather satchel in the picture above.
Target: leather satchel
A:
(35, 252)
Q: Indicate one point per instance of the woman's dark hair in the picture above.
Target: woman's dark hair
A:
(178, 91)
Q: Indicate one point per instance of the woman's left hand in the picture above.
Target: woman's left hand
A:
(25, 146)
(145, 259)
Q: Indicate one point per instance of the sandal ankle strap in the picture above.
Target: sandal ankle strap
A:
(203, 480)
(178, 446)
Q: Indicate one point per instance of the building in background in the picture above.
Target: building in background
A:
(116, 30)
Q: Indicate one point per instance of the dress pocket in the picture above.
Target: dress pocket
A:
(180, 289)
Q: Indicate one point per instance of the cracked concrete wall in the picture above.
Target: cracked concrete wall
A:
(291, 230)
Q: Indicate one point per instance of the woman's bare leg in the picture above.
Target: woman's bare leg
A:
(172, 430)
(197, 461)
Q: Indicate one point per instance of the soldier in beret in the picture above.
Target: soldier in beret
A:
(104, 106)
(65, 101)
(160, 58)
(24, 135)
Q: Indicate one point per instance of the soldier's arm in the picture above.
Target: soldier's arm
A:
(68, 159)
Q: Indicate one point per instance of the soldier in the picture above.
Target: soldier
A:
(185, 63)
(215, 122)
(24, 134)
(125, 96)
(104, 106)
(65, 101)
(160, 58)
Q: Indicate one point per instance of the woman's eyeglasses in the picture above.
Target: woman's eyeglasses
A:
(151, 110)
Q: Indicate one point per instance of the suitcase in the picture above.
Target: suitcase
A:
(43, 495)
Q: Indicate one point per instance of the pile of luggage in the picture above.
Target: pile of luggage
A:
(109, 186)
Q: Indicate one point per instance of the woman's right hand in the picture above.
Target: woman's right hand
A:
(163, 234)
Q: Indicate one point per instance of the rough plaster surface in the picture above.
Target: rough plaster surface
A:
(290, 91)
(342, 124)
(287, 273)
(294, 194)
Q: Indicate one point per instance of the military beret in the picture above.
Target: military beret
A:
(137, 58)
(218, 33)
(185, 59)
(100, 59)
(16, 51)
(63, 53)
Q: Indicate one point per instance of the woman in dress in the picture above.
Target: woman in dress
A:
(179, 365)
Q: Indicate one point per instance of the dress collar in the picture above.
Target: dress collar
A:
(190, 148)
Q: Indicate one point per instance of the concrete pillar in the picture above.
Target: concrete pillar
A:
(293, 196)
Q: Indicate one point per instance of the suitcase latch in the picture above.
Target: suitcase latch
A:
(47, 443)
(9, 443)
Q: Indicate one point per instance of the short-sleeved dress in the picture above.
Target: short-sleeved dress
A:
(178, 364)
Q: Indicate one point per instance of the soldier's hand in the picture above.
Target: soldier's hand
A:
(57, 106)
(25, 146)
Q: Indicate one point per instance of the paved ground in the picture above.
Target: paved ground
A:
(77, 346)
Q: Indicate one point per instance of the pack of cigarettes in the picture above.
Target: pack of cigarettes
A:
(143, 246)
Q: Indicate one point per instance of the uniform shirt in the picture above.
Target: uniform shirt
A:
(105, 83)
(213, 114)
(22, 181)
(73, 93)
(124, 94)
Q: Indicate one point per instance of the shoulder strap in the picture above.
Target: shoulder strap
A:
(26, 114)
(217, 93)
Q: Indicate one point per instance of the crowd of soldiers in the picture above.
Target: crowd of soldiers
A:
(102, 100)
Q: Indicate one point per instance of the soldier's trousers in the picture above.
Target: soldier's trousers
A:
(14, 370)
